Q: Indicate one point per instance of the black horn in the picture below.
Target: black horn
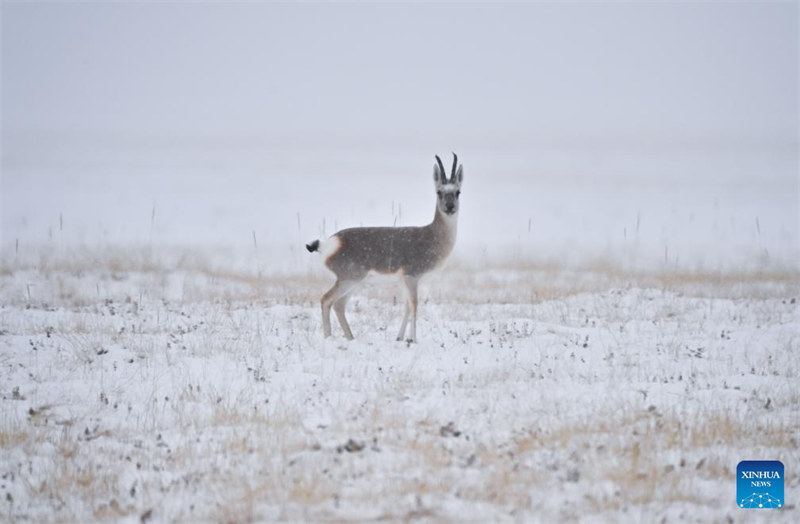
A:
(455, 164)
(441, 169)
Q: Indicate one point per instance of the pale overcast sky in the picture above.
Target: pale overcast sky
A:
(359, 75)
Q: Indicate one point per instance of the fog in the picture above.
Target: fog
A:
(392, 75)
(204, 123)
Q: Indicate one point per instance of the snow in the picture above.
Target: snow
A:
(617, 328)
(139, 388)
(615, 331)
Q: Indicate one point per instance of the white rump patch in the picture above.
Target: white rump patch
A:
(329, 246)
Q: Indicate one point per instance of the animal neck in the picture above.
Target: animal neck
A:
(446, 226)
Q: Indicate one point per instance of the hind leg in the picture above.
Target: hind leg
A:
(339, 290)
(338, 308)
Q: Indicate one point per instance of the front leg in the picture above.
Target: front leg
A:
(402, 332)
(411, 286)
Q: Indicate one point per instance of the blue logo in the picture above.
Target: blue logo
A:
(759, 484)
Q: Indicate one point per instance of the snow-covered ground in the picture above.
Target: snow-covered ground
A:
(616, 330)
(158, 384)
(618, 326)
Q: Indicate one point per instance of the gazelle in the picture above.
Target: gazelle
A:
(407, 252)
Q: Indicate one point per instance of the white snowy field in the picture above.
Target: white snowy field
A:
(617, 328)
(155, 384)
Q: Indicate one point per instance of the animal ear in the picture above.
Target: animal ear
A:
(460, 174)
(436, 176)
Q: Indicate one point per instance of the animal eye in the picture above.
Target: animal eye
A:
(439, 193)
(458, 194)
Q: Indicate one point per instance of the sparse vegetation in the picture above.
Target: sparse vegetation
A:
(160, 387)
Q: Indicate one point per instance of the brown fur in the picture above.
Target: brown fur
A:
(413, 251)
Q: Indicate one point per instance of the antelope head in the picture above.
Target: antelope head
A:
(448, 190)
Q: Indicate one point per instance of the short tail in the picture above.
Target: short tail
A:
(313, 246)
